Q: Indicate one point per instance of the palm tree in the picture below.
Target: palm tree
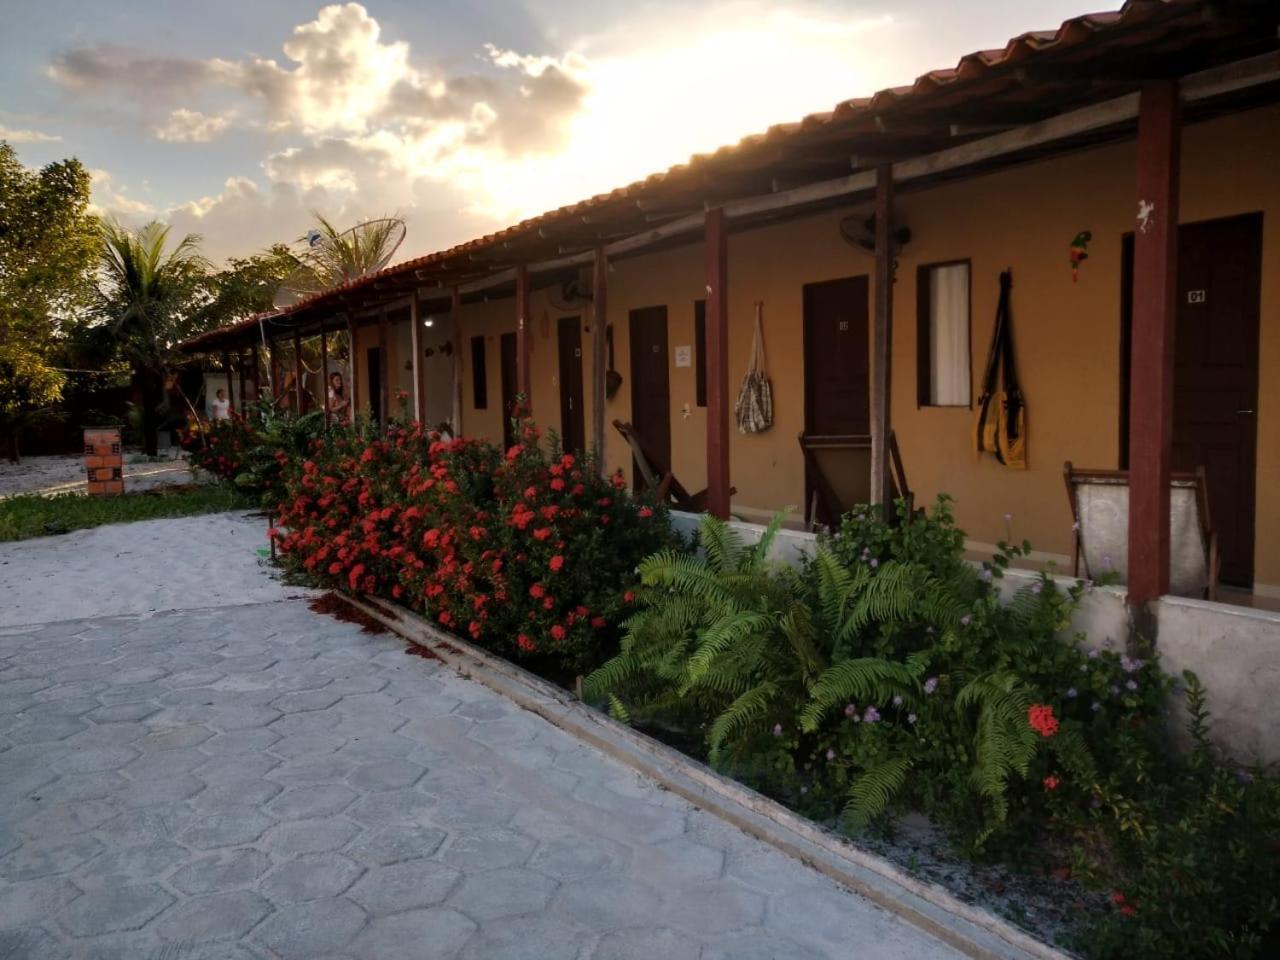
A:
(150, 293)
(334, 257)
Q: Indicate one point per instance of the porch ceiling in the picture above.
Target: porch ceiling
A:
(1088, 60)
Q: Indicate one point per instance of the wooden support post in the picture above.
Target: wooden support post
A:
(298, 395)
(353, 358)
(415, 344)
(1155, 266)
(524, 341)
(384, 370)
(599, 325)
(256, 353)
(324, 376)
(455, 318)
(882, 344)
(231, 391)
(242, 362)
(273, 369)
(717, 282)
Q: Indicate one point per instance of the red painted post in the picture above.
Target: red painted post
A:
(1155, 268)
(455, 316)
(717, 314)
(882, 344)
(599, 326)
(524, 342)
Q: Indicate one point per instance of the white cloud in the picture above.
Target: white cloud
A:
(26, 136)
(111, 201)
(191, 126)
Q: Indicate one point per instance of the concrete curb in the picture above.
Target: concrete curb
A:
(969, 929)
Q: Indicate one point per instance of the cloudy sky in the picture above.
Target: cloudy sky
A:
(236, 119)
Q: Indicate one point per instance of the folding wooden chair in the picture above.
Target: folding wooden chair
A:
(658, 476)
(1099, 502)
(839, 469)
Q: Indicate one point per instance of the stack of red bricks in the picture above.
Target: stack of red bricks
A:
(103, 460)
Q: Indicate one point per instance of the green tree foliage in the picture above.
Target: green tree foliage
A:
(152, 296)
(48, 249)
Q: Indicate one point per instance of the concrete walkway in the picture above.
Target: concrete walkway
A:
(259, 781)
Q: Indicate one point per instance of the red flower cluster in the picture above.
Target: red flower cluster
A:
(1041, 719)
(527, 553)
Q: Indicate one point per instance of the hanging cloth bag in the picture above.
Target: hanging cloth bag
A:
(1001, 425)
(754, 411)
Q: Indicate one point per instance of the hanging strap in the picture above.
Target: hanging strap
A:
(1001, 341)
(757, 343)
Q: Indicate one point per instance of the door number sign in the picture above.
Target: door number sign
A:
(1196, 296)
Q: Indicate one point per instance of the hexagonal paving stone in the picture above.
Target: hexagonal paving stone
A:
(221, 871)
(131, 864)
(572, 858)
(306, 746)
(405, 935)
(222, 916)
(173, 738)
(716, 909)
(755, 948)
(48, 855)
(305, 700)
(310, 836)
(405, 886)
(92, 759)
(241, 743)
(397, 843)
(676, 861)
(502, 893)
(45, 731)
(227, 829)
(67, 819)
(606, 903)
(388, 774)
(147, 792)
(301, 803)
(307, 930)
(311, 877)
(34, 901)
(531, 936)
(31, 943)
(231, 794)
(487, 849)
(113, 908)
(636, 942)
(393, 807)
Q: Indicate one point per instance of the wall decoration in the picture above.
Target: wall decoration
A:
(1079, 252)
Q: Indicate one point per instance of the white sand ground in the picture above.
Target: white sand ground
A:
(65, 474)
(138, 568)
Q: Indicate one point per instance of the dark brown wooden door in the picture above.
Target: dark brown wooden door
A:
(507, 348)
(650, 389)
(1216, 375)
(573, 431)
(837, 366)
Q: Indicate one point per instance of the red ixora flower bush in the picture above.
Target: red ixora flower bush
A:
(527, 552)
(1041, 719)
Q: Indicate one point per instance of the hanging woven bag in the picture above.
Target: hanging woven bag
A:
(754, 410)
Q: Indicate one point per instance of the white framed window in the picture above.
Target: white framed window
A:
(943, 362)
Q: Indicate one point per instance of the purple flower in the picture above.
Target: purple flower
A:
(1093, 654)
(965, 620)
(897, 700)
(1132, 684)
(872, 715)
(987, 574)
(831, 754)
(1095, 706)
(1106, 560)
(1071, 693)
(777, 729)
(874, 563)
(850, 710)
(1244, 776)
(1107, 643)
(911, 718)
(1037, 587)
(930, 685)
(1130, 666)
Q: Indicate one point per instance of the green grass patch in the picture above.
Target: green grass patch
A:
(24, 517)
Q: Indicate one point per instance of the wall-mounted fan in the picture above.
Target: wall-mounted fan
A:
(328, 258)
(862, 233)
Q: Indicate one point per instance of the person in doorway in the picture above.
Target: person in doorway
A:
(338, 402)
(220, 408)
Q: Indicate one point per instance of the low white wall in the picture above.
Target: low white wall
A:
(1235, 651)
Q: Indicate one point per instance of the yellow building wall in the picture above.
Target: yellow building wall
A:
(1066, 335)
